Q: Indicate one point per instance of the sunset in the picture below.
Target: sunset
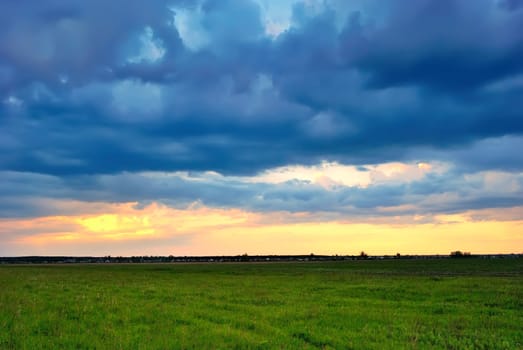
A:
(332, 117)
(159, 229)
(336, 134)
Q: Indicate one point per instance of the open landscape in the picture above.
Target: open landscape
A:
(261, 174)
(472, 303)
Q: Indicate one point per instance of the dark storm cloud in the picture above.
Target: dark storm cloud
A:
(419, 78)
(79, 40)
(446, 45)
(511, 5)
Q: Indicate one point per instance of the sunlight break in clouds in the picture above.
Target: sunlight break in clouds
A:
(200, 230)
(333, 174)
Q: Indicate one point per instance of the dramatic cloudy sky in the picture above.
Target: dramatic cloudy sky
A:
(202, 127)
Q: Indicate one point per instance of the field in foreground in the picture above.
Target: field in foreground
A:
(395, 304)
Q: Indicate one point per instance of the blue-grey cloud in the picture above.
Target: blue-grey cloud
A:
(85, 94)
(447, 192)
(445, 45)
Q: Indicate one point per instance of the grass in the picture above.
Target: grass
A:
(396, 304)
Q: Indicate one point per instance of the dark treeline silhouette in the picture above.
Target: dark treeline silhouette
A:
(460, 254)
(234, 258)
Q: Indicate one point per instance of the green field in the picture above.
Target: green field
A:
(393, 304)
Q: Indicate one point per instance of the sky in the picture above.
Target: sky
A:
(225, 127)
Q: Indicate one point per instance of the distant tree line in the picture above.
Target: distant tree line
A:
(233, 258)
(460, 254)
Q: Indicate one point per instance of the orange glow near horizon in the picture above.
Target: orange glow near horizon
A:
(160, 230)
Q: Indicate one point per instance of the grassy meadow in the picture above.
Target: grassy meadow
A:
(392, 304)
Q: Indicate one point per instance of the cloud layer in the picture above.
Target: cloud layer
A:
(81, 87)
(350, 109)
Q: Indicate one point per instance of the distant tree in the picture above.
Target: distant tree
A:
(459, 254)
(363, 255)
(398, 255)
